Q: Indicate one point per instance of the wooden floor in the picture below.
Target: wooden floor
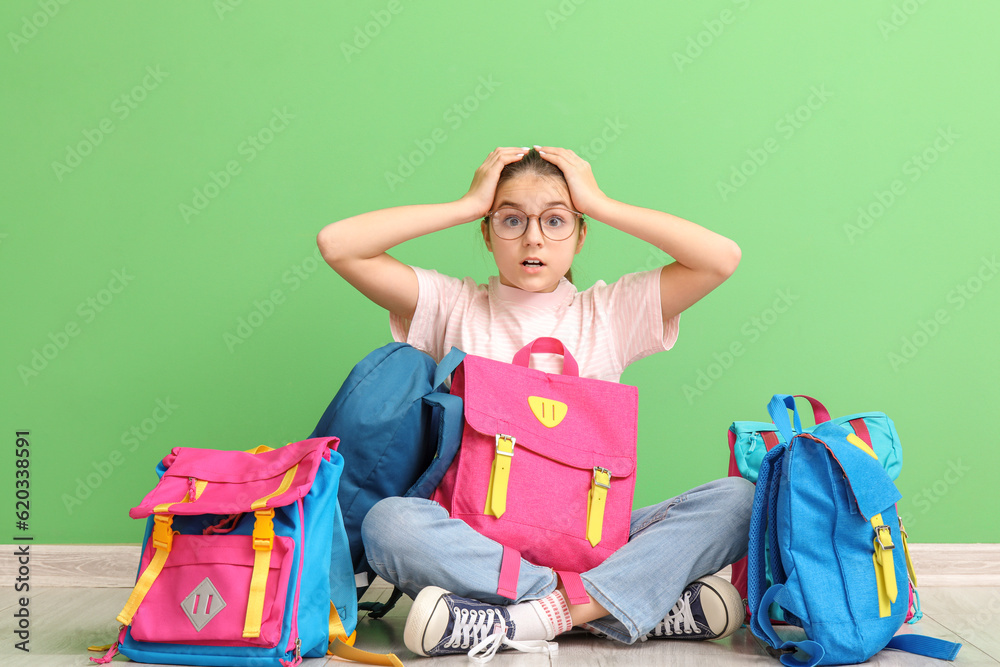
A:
(64, 621)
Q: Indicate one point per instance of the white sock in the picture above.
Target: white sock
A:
(541, 619)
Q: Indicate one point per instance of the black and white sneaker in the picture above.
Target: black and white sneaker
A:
(440, 623)
(709, 608)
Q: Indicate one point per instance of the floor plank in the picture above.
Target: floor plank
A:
(971, 613)
(110, 565)
(66, 620)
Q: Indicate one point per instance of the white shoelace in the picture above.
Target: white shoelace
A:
(679, 620)
(488, 630)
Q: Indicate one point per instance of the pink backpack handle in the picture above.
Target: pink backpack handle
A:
(820, 413)
(547, 346)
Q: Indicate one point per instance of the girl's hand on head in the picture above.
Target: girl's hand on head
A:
(579, 177)
(484, 181)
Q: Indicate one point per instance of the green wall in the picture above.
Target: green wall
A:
(168, 165)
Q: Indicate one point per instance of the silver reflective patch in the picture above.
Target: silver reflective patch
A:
(202, 604)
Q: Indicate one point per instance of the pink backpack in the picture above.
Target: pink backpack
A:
(245, 561)
(546, 466)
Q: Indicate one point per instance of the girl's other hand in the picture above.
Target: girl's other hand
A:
(579, 177)
(484, 182)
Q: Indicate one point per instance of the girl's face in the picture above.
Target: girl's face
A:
(518, 259)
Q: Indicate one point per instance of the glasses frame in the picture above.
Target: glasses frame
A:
(578, 218)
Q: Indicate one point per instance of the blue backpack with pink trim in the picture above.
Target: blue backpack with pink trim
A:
(826, 508)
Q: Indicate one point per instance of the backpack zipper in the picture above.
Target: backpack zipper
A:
(294, 642)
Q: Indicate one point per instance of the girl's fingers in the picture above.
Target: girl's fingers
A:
(506, 155)
(556, 151)
(561, 157)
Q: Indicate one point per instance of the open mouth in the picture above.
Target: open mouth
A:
(532, 264)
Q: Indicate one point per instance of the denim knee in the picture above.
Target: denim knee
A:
(742, 491)
(385, 523)
(739, 496)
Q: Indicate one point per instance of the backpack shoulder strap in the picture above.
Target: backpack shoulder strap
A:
(784, 651)
(756, 564)
(342, 646)
(928, 646)
(447, 366)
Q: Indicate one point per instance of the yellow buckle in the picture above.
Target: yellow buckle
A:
(163, 536)
(506, 440)
(605, 477)
(263, 530)
(884, 532)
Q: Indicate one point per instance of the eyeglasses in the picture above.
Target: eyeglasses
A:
(556, 223)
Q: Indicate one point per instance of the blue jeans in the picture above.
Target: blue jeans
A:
(413, 543)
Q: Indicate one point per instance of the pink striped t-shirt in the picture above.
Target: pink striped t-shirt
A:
(605, 327)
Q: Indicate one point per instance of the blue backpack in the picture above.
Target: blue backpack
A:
(826, 508)
(399, 429)
(244, 561)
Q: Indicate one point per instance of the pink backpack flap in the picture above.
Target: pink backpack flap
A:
(546, 466)
(211, 481)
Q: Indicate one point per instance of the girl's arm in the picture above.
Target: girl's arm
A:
(704, 259)
(356, 247)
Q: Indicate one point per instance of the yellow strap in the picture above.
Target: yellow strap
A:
(199, 488)
(263, 541)
(885, 570)
(342, 650)
(595, 507)
(259, 449)
(862, 445)
(883, 597)
(162, 539)
(496, 494)
(906, 550)
(286, 482)
(337, 629)
(343, 646)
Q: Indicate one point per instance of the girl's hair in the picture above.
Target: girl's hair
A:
(533, 164)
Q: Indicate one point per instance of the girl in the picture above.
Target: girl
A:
(656, 584)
